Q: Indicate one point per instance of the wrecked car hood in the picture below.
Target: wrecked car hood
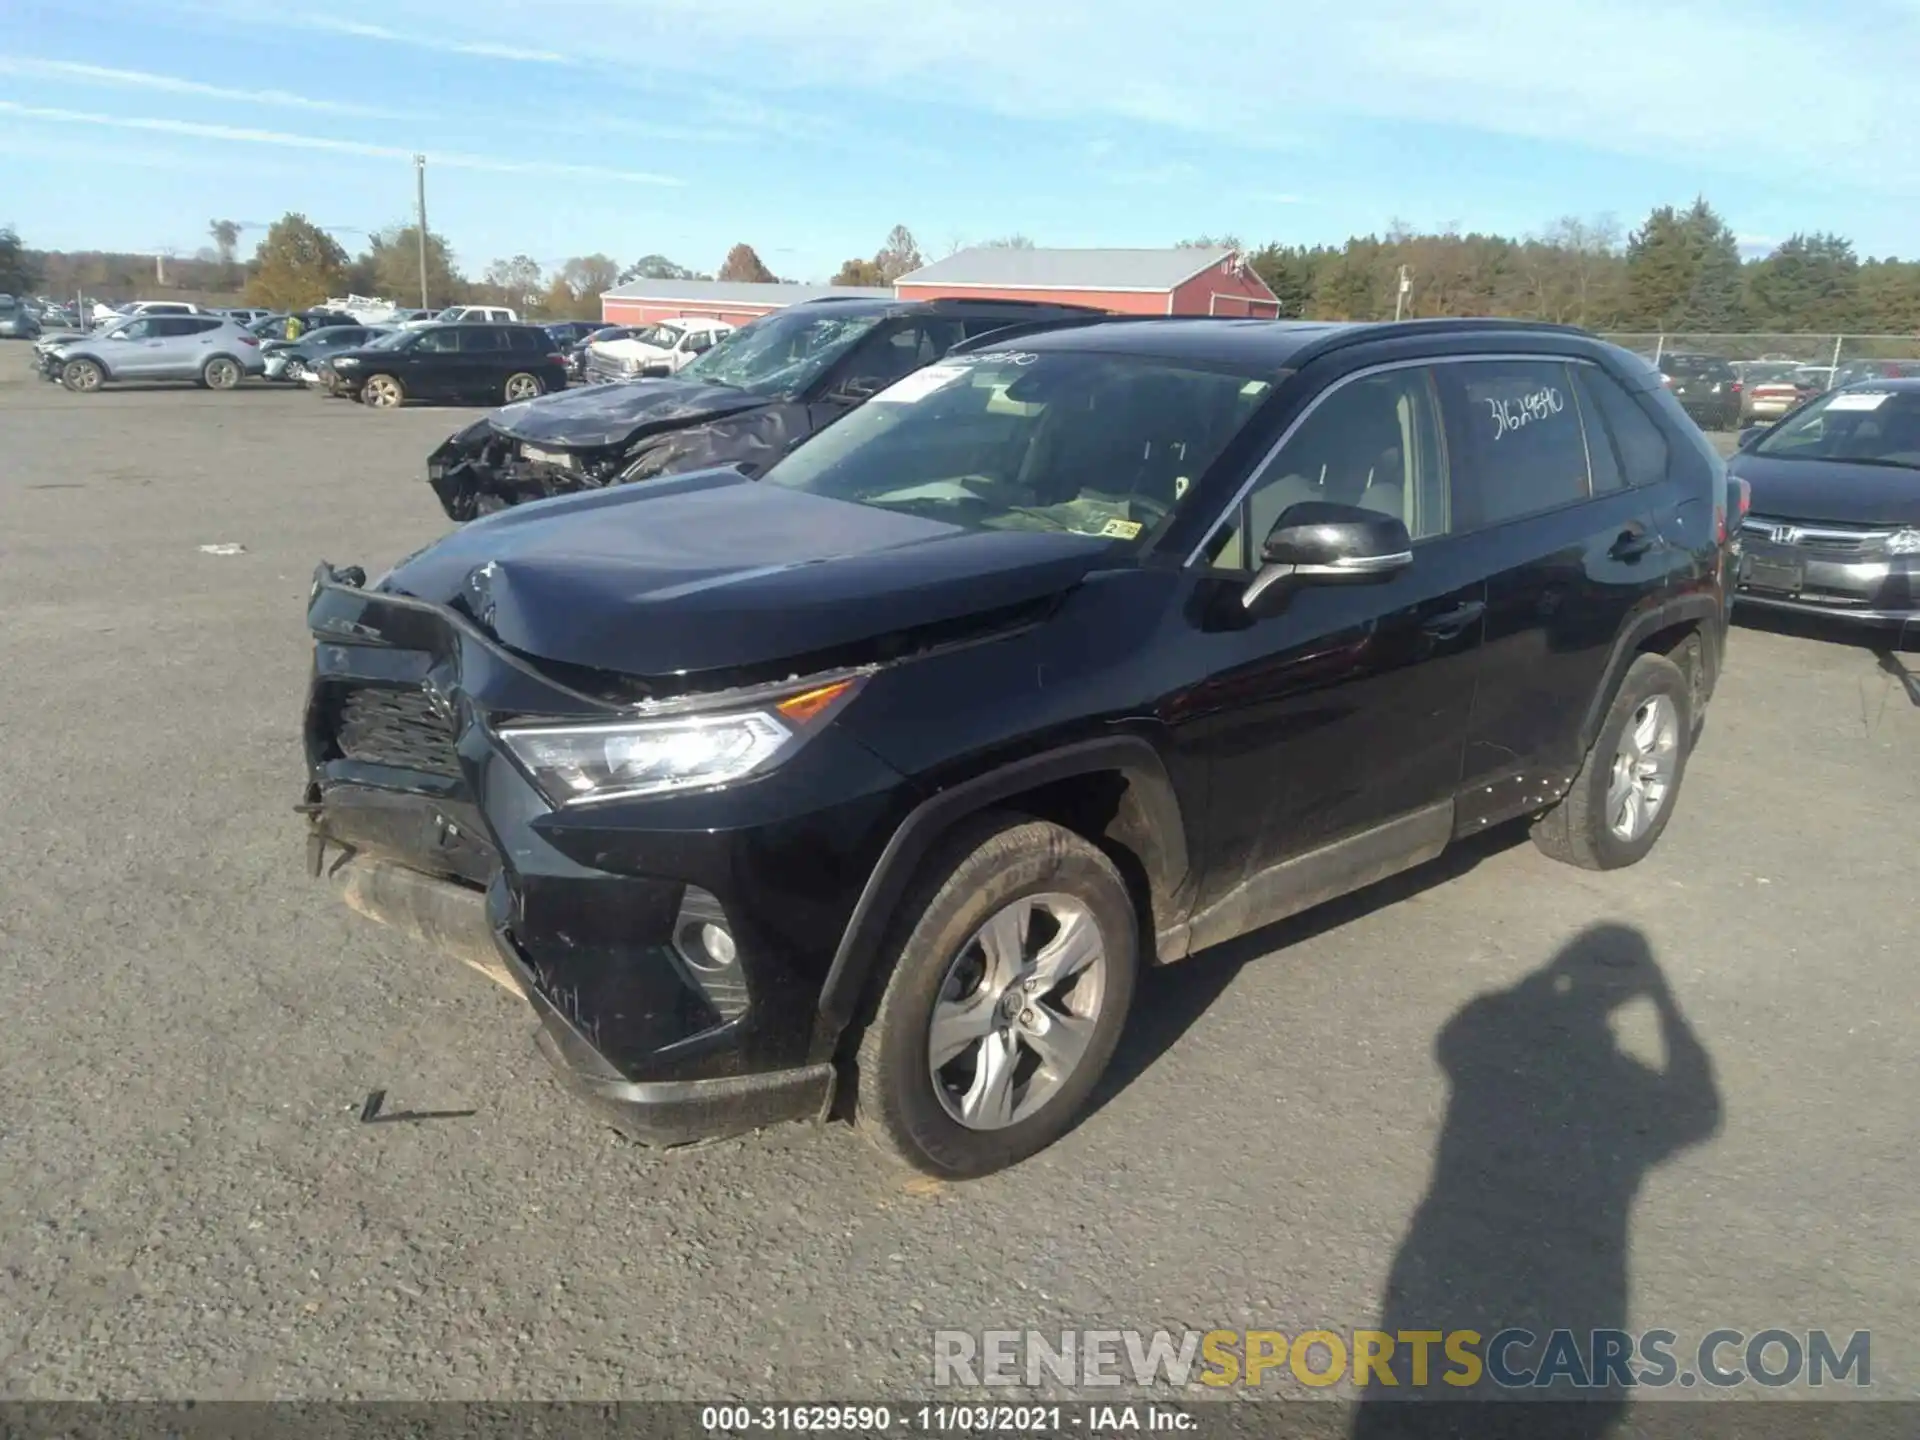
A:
(711, 571)
(612, 414)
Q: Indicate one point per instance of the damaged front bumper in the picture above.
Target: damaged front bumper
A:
(424, 822)
(479, 471)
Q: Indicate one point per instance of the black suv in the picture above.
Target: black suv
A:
(1706, 387)
(1084, 649)
(483, 363)
(757, 393)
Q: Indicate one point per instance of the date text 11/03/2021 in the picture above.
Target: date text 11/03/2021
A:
(1090, 1420)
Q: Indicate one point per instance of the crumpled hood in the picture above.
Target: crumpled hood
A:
(1833, 490)
(597, 415)
(713, 571)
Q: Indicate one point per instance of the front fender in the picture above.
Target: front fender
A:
(1164, 856)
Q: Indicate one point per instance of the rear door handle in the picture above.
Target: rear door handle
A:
(1630, 545)
(1450, 623)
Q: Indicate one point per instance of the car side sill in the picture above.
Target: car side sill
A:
(1303, 881)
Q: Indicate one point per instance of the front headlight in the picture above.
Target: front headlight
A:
(340, 362)
(630, 364)
(1904, 542)
(578, 764)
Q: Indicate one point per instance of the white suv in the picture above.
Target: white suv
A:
(660, 349)
(468, 315)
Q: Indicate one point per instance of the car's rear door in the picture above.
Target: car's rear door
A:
(1571, 553)
(186, 345)
(484, 362)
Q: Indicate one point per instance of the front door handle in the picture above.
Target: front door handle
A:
(1450, 623)
(1630, 545)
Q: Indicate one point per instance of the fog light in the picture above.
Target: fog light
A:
(717, 944)
(704, 943)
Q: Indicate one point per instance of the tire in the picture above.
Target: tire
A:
(220, 373)
(1581, 829)
(522, 386)
(383, 392)
(82, 376)
(993, 870)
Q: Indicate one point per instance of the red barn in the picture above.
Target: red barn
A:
(641, 302)
(1197, 281)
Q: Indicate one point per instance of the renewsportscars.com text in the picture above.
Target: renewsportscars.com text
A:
(1509, 1359)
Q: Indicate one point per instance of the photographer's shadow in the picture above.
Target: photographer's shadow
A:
(1551, 1127)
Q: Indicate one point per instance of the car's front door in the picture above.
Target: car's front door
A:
(430, 366)
(1332, 724)
(133, 351)
(1570, 551)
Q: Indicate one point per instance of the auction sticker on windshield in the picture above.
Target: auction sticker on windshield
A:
(1859, 400)
(919, 385)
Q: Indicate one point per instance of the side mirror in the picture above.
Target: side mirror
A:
(1750, 434)
(1320, 543)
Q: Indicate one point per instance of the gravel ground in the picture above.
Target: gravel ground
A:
(189, 1206)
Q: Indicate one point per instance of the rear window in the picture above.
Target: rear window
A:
(1635, 437)
(1523, 427)
(481, 338)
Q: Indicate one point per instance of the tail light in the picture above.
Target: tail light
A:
(1735, 387)
(1739, 500)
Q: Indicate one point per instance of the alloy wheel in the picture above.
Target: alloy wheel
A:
(1017, 1011)
(1643, 768)
(223, 374)
(522, 387)
(83, 375)
(382, 392)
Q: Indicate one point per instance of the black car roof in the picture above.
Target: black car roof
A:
(1898, 384)
(1253, 344)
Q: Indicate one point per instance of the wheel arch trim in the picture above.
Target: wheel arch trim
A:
(1703, 608)
(914, 838)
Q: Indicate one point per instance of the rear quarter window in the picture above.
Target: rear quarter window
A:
(1632, 434)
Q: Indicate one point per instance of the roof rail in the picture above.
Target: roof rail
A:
(953, 301)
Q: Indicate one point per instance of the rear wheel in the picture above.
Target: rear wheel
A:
(1621, 800)
(1012, 974)
(382, 392)
(220, 374)
(82, 375)
(522, 387)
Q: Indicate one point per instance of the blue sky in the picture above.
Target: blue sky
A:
(809, 127)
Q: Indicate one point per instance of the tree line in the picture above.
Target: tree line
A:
(1681, 270)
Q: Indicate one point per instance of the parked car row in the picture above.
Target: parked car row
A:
(980, 655)
(746, 399)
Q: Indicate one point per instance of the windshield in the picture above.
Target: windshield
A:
(1863, 426)
(451, 313)
(661, 337)
(1100, 445)
(782, 353)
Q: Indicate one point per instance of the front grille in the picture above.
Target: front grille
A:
(1825, 538)
(399, 728)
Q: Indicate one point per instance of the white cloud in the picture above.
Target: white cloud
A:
(248, 136)
(450, 43)
(72, 72)
(1677, 81)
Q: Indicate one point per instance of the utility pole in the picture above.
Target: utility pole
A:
(1400, 294)
(420, 223)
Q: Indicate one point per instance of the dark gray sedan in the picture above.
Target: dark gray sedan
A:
(1834, 527)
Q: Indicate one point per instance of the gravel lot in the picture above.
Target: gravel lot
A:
(189, 1205)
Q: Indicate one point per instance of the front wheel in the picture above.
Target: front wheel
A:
(382, 392)
(1621, 800)
(83, 376)
(522, 387)
(220, 374)
(1013, 970)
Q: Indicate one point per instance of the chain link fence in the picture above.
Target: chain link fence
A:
(1829, 359)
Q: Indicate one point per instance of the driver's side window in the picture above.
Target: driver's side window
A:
(888, 355)
(1375, 442)
(135, 330)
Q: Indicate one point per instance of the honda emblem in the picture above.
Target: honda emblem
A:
(1784, 535)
